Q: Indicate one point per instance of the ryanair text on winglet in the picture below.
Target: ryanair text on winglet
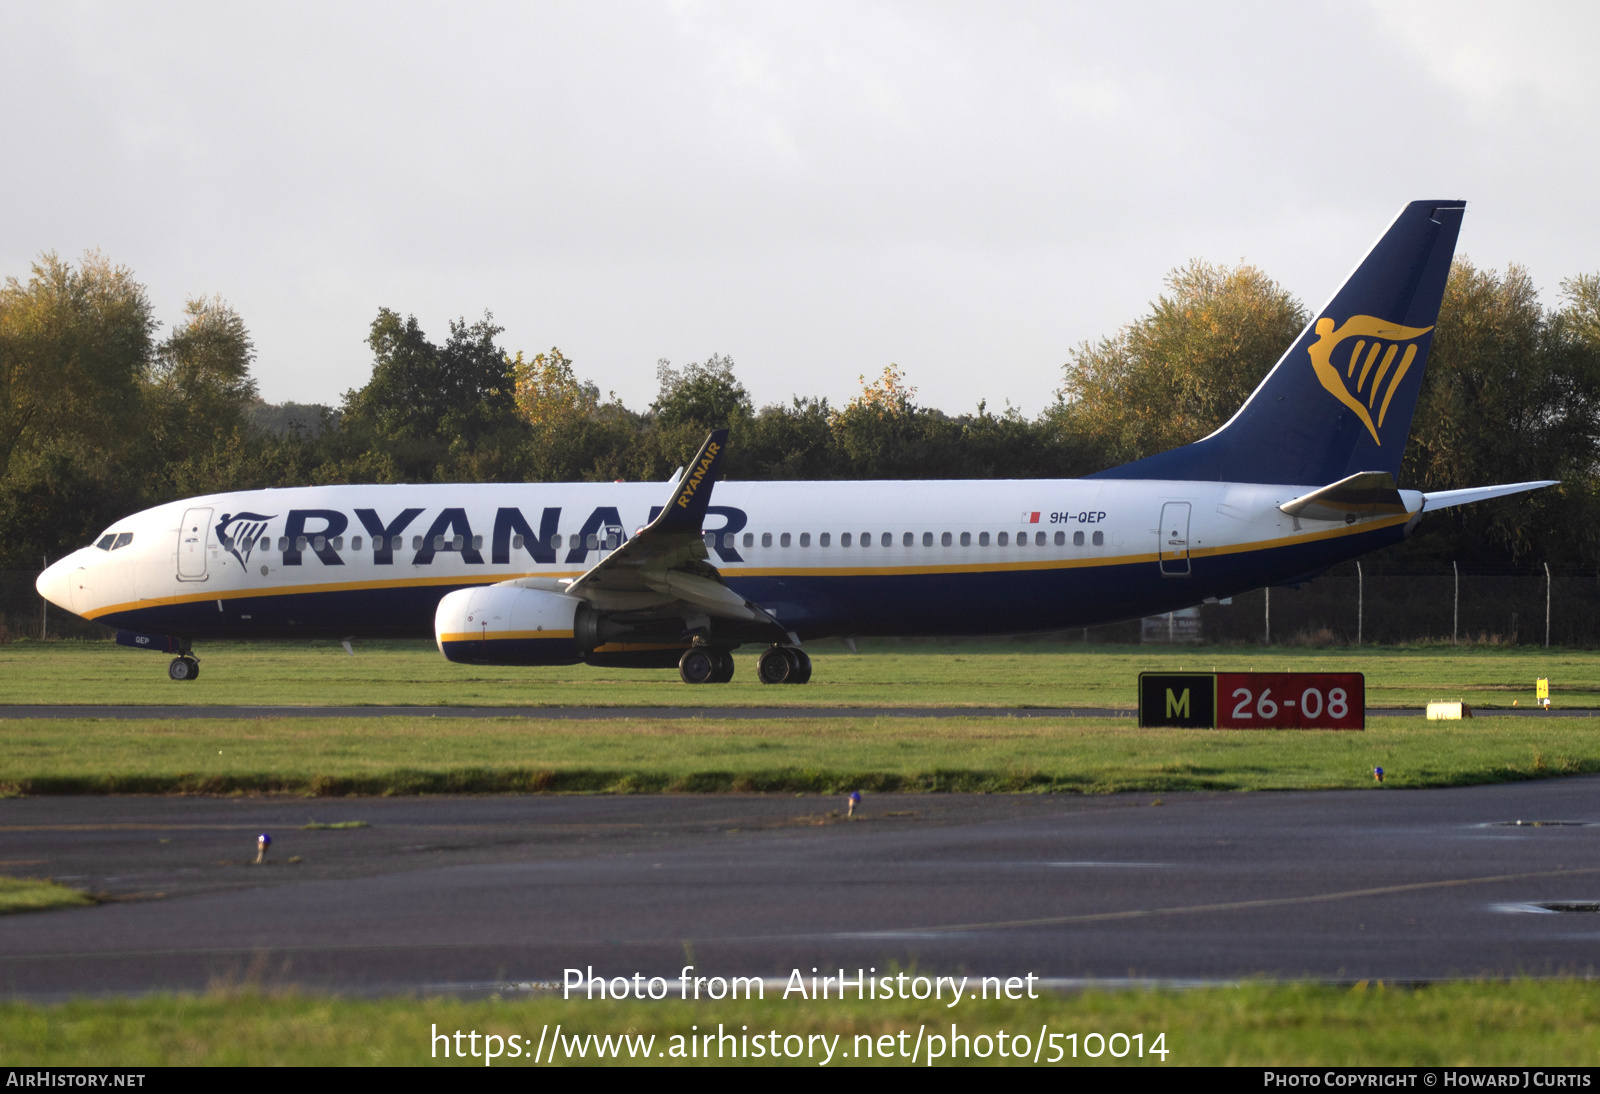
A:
(699, 473)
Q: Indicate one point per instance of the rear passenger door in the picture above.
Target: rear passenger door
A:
(1174, 539)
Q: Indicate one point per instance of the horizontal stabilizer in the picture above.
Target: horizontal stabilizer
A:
(1445, 499)
(1364, 494)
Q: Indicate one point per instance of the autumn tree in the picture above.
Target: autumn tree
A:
(1179, 372)
(1511, 394)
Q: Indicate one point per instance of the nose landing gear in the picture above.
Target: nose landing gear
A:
(184, 668)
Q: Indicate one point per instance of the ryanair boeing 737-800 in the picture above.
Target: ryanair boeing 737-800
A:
(651, 575)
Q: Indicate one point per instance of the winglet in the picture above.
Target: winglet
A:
(692, 493)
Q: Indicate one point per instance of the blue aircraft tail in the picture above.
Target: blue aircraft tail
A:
(1340, 401)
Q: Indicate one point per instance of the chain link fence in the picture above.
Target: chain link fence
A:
(26, 614)
(1389, 609)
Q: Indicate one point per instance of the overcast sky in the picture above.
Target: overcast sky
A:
(968, 190)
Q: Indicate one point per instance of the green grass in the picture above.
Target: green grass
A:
(407, 755)
(26, 894)
(1544, 1023)
(886, 673)
(316, 826)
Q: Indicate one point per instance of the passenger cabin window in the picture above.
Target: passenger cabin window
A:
(1099, 539)
(766, 539)
(318, 544)
(283, 544)
(1061, 539)
(824, 539)
(983, 539)
(1002, 539)
(516, 543)
(338, 543)
(927, 539)
(416, 543)
(888, 539)
(844, 540)
(805, 539)
(749, 539)
(1022, 539)
(594, 541)
(783, 540)
(866, 539)
(1038, 539)
(477, 543)
(966, 539)
(1077, 539)
(355, 543)
(945, 539)
(105, 542)
(299, 543)
(909, 539)
(555, 541)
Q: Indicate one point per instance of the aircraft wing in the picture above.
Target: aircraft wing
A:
(1445, 499)
(665, 562)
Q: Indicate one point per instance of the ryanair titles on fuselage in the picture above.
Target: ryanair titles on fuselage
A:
(320, 533)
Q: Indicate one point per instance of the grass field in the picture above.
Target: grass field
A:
(1549, 1023)
(885, 673)
(406, 755)
(18, 894)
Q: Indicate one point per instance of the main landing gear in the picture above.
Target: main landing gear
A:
(705, 665)
(778, 665)
(784, 665)
(184, 668)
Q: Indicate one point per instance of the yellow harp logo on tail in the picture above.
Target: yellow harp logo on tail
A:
(1376, 343)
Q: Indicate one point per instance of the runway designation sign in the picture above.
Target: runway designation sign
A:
(1253, 700)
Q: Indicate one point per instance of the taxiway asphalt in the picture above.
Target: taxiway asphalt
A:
(473, 894)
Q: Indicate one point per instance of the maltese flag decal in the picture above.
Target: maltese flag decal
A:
(1030, 518)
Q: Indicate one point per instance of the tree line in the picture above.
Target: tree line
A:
(101, 416)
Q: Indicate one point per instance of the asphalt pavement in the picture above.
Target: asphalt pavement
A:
(486, 893)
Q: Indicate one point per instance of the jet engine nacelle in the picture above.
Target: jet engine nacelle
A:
(506, 625)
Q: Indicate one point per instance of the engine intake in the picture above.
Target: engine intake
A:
(505, 625)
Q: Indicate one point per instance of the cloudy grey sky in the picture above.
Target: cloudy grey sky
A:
(815, 189)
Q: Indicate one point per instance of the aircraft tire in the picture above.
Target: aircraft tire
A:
(725, 667)
(802, 661)
(698, 665)
(183, 668)
(775, 667)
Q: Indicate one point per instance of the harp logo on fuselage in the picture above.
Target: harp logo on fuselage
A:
(240, 532)
(1357, 360)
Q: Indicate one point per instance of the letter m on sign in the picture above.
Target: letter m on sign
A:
(1177, 707)
(1185, 700)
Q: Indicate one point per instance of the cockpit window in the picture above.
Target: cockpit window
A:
(123, 540)
(105, 541)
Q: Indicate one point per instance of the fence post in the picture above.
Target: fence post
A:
(1546, 605)
(1268, 598)
(1455, 613)
(1361, 601)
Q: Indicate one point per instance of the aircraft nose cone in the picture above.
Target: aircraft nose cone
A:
(55, 585)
